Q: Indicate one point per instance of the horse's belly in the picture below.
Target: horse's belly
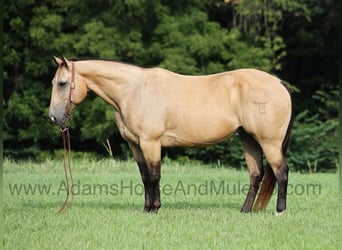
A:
(197, 135)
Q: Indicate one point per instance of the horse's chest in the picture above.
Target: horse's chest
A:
(125, 131)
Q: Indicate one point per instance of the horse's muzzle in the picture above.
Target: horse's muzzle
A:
(57, 121)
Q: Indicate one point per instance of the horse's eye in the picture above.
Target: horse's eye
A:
(62, 83)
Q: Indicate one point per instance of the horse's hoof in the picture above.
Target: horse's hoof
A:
(151, 210)
(243, 210)
(280, 213)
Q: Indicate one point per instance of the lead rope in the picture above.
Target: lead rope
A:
(67, 169)
(67, 148)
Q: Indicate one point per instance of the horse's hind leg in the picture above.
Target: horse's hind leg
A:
(275, 157)
(253, 156)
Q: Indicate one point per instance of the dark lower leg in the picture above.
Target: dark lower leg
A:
(255, 180)
(154, 190)
(253, 157)
(147, 186)
(282, 178)
(151, 181)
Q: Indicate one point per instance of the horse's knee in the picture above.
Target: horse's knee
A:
(281, 172)
(256, 177)
(154, 172)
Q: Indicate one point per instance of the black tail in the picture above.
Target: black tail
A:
(286, 140)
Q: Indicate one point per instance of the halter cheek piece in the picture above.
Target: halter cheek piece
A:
(69, 100)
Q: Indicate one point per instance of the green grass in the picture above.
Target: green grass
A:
(188, 219)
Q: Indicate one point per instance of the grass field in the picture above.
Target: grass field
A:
(200, 209)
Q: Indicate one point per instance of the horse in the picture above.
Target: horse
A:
(155, 108)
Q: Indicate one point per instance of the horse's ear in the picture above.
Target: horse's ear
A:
(66, 62)
(57, 60)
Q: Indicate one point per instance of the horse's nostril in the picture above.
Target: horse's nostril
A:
(53, 119)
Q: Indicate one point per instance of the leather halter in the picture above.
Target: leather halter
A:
(69, 100)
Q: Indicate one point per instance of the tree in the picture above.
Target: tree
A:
(294, 40)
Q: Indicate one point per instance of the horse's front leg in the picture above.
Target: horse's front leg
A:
(147, 155)
(150, 177)
(151, 150)
(152, 190)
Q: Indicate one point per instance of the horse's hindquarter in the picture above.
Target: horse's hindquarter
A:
(265, 109)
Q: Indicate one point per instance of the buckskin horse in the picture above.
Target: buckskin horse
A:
(155, 108)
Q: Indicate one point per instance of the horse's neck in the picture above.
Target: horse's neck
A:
(110, 80)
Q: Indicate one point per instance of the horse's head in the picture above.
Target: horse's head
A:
(68, 89)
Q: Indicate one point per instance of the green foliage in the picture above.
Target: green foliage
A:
(28, 107)
(97, 40)
(295, 40)
(314, 143)
(98, 121)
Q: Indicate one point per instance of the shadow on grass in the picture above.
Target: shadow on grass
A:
(81, 204)
(201, 205)
(181, 205)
